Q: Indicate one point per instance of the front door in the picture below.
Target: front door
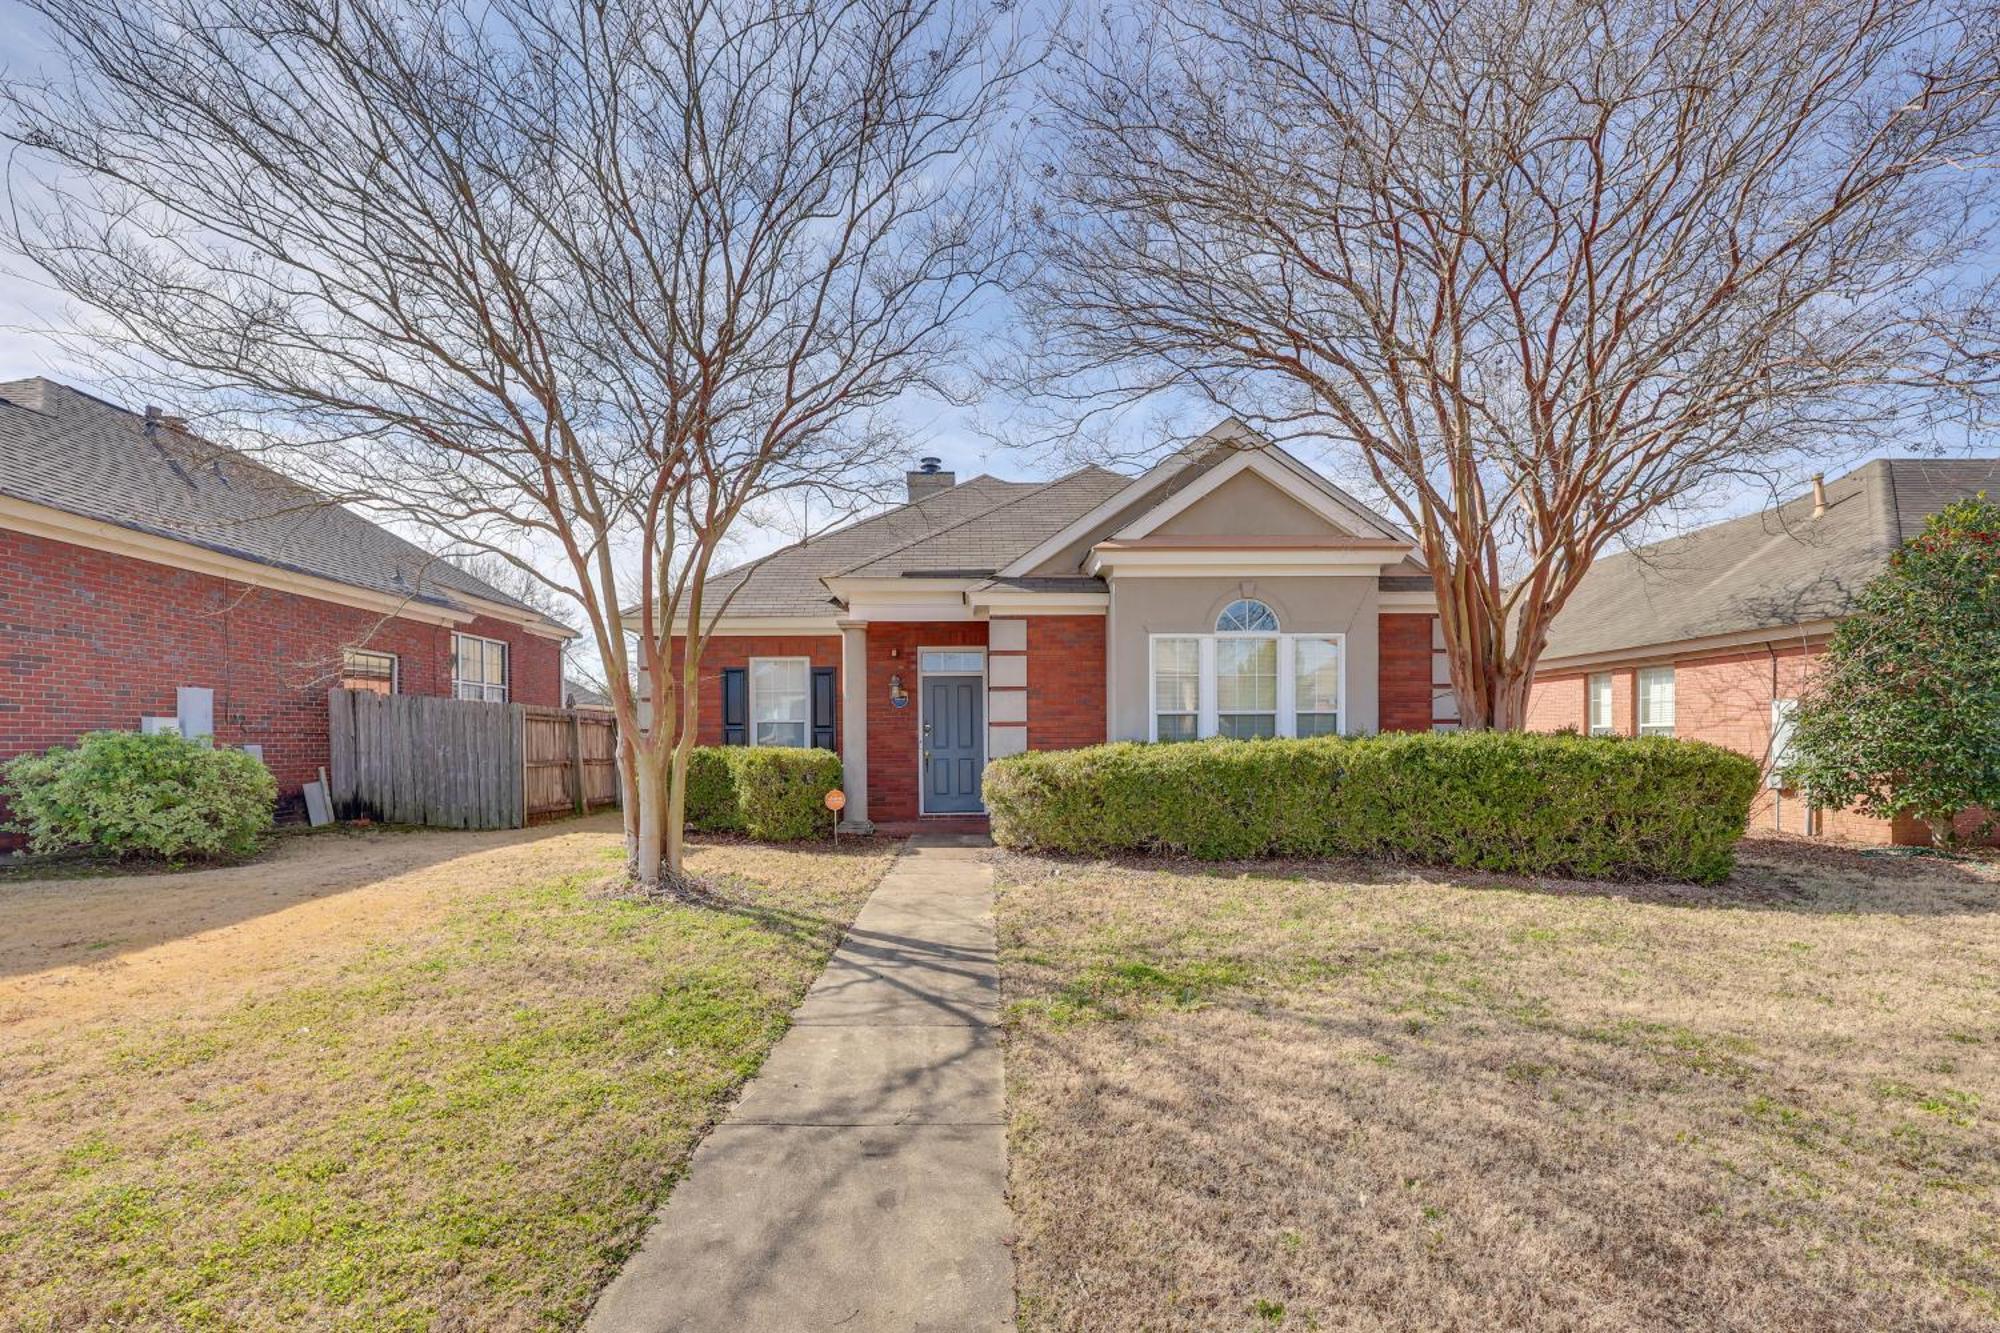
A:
(954, 743)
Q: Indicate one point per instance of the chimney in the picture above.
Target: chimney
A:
(1819, 495)
(928, 480)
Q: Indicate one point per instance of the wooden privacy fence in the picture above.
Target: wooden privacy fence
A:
(463, 763)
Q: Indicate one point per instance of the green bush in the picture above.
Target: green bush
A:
(773, 793)
(1593, 807)
(123, 794)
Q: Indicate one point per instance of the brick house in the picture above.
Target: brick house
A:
(136, 559)
(1712, 635)
(1230, 590)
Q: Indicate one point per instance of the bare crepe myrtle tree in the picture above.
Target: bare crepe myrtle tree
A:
(1549, 268)
(570, 285)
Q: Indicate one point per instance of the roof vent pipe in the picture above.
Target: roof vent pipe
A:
(929, 478)
(1819, 495)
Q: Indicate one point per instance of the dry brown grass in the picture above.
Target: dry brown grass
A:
(1319, 1097)
(384, 1081)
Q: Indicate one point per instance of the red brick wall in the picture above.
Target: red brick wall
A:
(1065, 682)
(95, 641)
(732, 650)
(1403, 672)
(892, 731)
(1723, 698)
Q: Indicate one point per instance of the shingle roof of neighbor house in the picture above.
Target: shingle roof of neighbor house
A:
(64, 449)
(969, 530)
(1771, 570)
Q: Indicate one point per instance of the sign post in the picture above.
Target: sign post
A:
(836, 801)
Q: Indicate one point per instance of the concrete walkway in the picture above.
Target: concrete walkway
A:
(860, 1183)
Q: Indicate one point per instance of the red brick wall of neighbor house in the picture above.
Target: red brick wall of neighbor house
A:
(892, 731)
(1403, 672)
(1723, 698)
(730, 650)
(90, 641)
(1066, 679)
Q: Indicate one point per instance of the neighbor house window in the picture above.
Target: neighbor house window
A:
(478, 668)
(1656, 701)
(363, 669)
(780, 701)
(1247, 679)
(1176, 689)
(1315, 686)
(1600, 704)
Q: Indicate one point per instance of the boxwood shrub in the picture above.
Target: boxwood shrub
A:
(773, 793)
(122, 794)
(1594, 807)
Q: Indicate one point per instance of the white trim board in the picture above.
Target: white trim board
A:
(1667, 650)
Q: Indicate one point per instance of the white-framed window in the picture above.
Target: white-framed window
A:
(1600, 704)
(366, 669)
(1316, 673)
(1246, 686)
(953, 662)
(1247, 615)
(780, 701)
(478, 668)
(1176, 688)
(1246, 682)
(1656, 701)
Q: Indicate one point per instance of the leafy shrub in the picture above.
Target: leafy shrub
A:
(1521, 804)
(124, 794)
(769, 792)
(1903, 716)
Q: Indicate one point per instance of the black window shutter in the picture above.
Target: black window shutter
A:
(735, 706)
(823, 696)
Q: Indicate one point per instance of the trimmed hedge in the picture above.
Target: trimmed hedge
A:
(1590, 807)
(122, 794)
(769, 792)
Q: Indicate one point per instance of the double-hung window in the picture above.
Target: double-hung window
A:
(1600, 704)
(780, 701)
(478, 668)
(1315, 685)
(365, 669)
(1247, 679)
(1656, 701)
(1176, 688)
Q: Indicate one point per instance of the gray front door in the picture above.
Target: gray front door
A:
(954, 743)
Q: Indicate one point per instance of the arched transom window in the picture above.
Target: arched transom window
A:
(1247, 615)
(1247, 679)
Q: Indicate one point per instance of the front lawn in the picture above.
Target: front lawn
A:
(1312, 1097)
(386, 1081)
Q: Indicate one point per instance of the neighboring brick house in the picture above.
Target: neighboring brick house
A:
(136, 559)
(1230, 590)
(1713, 635)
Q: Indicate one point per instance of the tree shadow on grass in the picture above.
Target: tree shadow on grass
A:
(1772, 874)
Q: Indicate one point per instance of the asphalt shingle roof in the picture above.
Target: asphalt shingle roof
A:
(986, 542)
(787, 582)
(1770, 570)
(63, 448)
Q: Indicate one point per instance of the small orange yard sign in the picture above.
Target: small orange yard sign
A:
(836, 800)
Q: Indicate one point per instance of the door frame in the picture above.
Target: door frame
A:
(923, 783)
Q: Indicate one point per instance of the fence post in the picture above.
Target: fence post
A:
(579, 799)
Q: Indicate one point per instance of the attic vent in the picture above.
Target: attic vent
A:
(929, 479)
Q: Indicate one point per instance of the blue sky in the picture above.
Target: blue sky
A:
(29, 312)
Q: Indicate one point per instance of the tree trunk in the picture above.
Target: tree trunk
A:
(646, 855)
(674, 813)
(628, 797)
(1944, 829)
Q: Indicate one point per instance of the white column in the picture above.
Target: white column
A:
(854, 723)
